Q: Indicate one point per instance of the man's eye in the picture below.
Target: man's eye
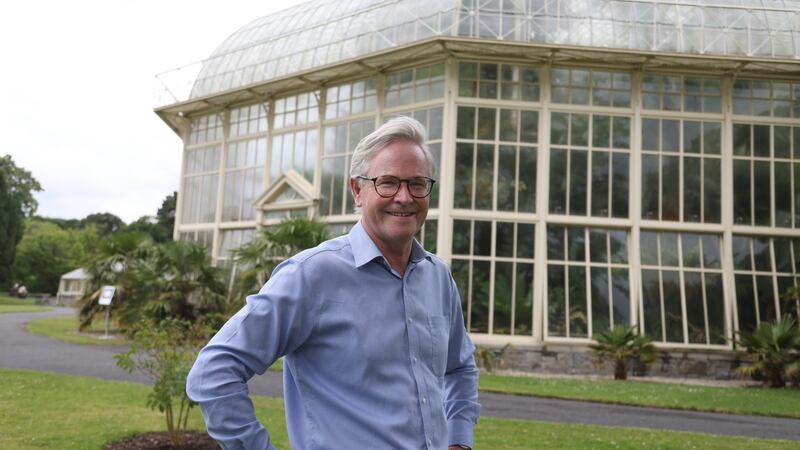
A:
(418, 184)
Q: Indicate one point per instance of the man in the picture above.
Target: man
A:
(370, 324)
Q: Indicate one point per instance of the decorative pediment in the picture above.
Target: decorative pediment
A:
(291, 190)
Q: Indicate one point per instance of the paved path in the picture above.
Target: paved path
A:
(23, 350)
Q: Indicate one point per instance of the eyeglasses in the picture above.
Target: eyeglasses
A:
(387, 186)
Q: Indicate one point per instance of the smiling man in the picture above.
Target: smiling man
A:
(370, 324)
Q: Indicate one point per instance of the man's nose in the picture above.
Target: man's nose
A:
(403, 194)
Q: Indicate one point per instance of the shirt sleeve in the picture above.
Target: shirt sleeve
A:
(273, 323)
(461, 378)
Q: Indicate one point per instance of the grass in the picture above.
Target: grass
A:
(736, 400)
(65, 328)
(16, 305)
(82, 413)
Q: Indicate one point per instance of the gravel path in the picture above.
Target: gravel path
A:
(23, 350)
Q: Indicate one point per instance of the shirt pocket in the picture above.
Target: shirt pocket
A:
(440, 331)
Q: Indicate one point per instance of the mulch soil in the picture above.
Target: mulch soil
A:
(160, 441)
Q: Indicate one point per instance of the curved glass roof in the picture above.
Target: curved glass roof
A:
(325, 32)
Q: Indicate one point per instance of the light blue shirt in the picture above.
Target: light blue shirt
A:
(373, 360)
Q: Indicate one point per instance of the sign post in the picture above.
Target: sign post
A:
(105, 299)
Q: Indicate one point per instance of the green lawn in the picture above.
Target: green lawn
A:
(765, 402)
(65, 328)
(14, 305)
(44, 410)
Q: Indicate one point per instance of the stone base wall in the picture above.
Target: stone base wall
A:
(577, 360)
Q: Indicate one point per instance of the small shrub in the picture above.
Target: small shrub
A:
(620, 343)
(165, 351)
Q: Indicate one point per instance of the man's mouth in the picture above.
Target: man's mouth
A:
(400, 214)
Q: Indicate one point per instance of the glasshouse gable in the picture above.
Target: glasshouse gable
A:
(600, 162)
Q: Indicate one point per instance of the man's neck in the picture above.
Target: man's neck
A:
(396, 254)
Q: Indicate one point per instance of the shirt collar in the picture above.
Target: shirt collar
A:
(365, 250)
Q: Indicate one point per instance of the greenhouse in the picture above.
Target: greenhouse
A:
(600, 162)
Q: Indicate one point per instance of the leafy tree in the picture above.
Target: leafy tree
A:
(259, 257)
(17, 186)
(165, 351)
(620, 343)
(772, 351)
(105, 223)
(160, 226)
(47, 251)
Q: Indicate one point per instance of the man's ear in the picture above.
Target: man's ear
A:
(355, 189)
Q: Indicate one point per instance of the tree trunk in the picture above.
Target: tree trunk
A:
(620, 370)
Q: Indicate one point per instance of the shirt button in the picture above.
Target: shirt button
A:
(424, 400)
(415, 360)
(410, 320)
(429, 443)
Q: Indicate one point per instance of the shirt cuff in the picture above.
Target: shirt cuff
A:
(459, 431)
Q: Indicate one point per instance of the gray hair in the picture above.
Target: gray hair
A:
(399, 128)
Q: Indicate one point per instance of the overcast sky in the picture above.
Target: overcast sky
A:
(76, 94)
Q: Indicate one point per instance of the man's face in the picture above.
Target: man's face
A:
(395, 220)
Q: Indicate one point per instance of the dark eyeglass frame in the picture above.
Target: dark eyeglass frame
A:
(400, 181)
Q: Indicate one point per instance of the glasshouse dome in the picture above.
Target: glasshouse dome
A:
(600, 162)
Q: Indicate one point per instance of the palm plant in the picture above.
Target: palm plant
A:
(114, 255)
(259, 257)
(772, 351)
(620, 343)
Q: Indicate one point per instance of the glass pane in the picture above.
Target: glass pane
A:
(711, 258)
(559, 124)
(690, 246)
(711, 138)
(479, 318)
(430, 235)
(622, 133)
(526, 186)
(670, 135)
(650, 128)
(761, 254)
(741, 139)
(692, 189)
(766, 299)
(711, 190)
(558, 181)
(649, 248)
(745, 302)
(619, 194)
(651, 302)
(556, 301)
(668, 243)
(761, 191)
(462, 232)
(577, 182)
(504, 245)
(715, 308)
(482, 239)
(576, 244)
(486, 123)
(601, 131)
(525, 239)
(578, 321)
(673, 317)
(462, 188)
(695, 313)
(670, 186)
(620, 289)
(502, 297)
(555, 243)
(465, 128)
(761, 140)
(691, 137)
(600, 304)
(484, 176)
(598, 250)
(506, 178)
(619, 246)
(508, 125)
(523, 306)
(529, 127)
(783, 194)
(783, 255)
(600, 184)
(741, 192)
(650, 187)
(783, 142)
(579, 133)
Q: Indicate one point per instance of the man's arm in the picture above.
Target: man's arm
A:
(461, 378)
(273, 323)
